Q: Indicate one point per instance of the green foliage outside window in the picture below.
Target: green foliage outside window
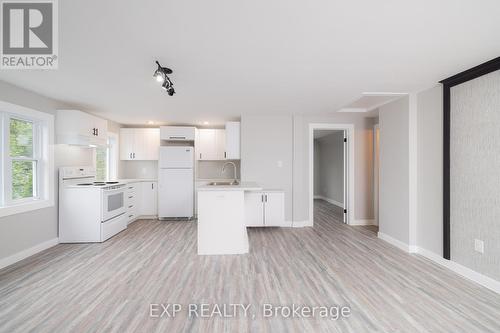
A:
(101, 163)
(21, 152)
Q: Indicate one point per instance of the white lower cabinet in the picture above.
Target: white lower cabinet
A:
(149, 199)
(141, 200)
(265, 209)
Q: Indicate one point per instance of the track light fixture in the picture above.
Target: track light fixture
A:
(161, 76)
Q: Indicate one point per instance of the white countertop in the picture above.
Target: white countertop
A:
(137, 180)
(245, 186)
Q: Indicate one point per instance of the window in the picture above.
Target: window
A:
(26, 167)
(106, 159)
(23, 159)
(101, 162)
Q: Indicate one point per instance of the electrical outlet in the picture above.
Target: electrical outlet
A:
(479, 246)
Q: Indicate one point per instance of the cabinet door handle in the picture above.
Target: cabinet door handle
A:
(225, 155)
(200, 156)
(177, 137)
(262, 197)
(152, 186)
(265, 197)
(133, 154)
(130, 155)
(96, 132)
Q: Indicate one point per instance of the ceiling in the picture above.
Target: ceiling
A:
(261, 57)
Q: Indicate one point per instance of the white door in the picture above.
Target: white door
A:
(175, 193)
(274, 209)
(220, 144)
(206, 145)
(254, 209)
(233, 140)
(126, 143)
(176, 157)
(148, 199)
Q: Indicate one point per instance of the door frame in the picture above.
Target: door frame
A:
(349, 130)
(376, 172)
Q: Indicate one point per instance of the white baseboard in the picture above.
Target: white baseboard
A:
(333, 202)
(363, 222)
(301, 224)
(397, 243)
(27, 253)
(467, 273)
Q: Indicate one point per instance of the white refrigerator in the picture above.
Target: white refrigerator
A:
(176, 182)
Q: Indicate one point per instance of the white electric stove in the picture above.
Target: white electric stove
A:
(89, 210)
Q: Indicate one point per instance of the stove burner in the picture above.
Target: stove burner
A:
(85, 184)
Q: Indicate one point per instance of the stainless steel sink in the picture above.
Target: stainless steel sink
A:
(222, 183)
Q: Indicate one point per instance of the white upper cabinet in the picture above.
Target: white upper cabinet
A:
(79, 128)
(205, 145)
(218, 144)
(139, 144)
(177, 133)
(232, 140)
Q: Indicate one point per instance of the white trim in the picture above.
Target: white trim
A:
(301, 224)
(28, 252)
(467, 273)
(412, 170)
(349, 128)
(46, 186)
(333, 202)
(397, 243)
(364, 222)
(376, 173)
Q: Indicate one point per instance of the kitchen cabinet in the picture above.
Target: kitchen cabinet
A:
(254, 209)
(265, 209)
(149, 199)
(232, 140)
(177, 133)
(141, 200)
(131, 196)
(219, 144)
(211, 145)
(80, 128)
(139, 144)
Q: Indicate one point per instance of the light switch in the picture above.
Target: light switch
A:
(479, 245)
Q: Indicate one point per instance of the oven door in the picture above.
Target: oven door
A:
(113, 203)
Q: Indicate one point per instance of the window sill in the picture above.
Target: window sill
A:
(25, 207)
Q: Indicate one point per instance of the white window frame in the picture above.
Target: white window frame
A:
(43, 154)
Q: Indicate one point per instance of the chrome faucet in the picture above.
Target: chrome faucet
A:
(235, 181)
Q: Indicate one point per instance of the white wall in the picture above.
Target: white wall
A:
(329, 178)
(394, 170)
(363, 156)
(22, 231)
(430, 170)
(267, 154)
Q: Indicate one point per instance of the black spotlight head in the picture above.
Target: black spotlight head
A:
(171, 91)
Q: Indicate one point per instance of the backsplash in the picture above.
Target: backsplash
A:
(139, 169)
(212, 170)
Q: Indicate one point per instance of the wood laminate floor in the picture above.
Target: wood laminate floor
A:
(109, 287)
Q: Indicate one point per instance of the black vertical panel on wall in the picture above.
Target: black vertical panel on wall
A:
(470, 74)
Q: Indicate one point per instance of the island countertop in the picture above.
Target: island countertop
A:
(244, 186)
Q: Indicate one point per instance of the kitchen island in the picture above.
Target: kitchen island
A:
(221, 218)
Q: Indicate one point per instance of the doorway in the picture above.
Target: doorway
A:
(331, 171)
